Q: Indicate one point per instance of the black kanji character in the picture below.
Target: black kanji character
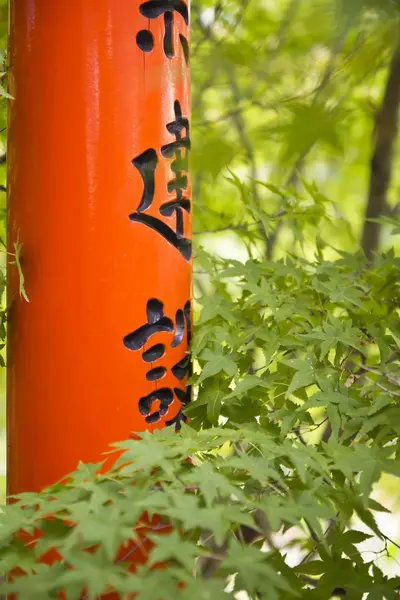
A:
(153, 9)
(146, 164)
(179, 167)
(164, 397)
(177, 420)
(158, 322)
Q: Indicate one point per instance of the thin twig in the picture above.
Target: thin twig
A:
(383, 388)
(388, 376)
(243, 227)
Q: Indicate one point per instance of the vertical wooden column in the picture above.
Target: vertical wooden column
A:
(99, 198)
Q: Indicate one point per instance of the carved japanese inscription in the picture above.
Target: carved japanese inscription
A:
(143, 339)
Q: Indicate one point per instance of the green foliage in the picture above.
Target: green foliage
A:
(292, 485)
(302, 338)
(295, 420)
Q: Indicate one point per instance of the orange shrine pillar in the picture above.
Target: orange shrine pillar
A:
(99, 198)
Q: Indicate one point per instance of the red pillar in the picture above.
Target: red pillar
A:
(99, 198)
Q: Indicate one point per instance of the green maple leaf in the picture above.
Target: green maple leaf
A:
(153, 584)
(212, 484)
(305, 373)
(248, 382)
(214, 404)
(215, 364)
(253, 571)
(173, 547)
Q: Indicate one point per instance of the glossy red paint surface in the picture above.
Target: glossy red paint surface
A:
(87, 101)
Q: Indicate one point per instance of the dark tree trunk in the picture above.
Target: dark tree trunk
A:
(385, 134)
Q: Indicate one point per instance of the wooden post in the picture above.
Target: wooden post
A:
(99, 198)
